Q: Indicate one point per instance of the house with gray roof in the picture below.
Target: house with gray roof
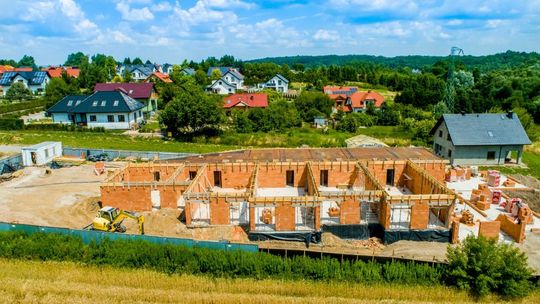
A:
(230, 77)
(480, 139)
(35, 81)
(277, 83)
(107, 109)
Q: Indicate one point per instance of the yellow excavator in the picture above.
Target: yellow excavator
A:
(110, 219)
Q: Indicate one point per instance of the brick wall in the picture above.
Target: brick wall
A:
(349, 211)
(219, 212)
(274, 175)
(284, 217)
(419, 215)
(490, 230)
(379, 170)
(139, 198)
(233, 175)
(384, 215)
(516, 231)
(338, 172)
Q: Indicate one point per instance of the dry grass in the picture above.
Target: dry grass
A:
(39, 282)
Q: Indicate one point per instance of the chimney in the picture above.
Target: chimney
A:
(510, 114)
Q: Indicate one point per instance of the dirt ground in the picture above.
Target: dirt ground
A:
(532, 197)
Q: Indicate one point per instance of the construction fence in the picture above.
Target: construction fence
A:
(88, 236)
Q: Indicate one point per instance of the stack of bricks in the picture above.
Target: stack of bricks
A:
(458, 174)
(496, 196)
(494, 178)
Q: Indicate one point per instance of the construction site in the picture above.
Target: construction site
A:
(396, 202)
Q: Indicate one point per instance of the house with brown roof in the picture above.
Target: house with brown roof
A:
(350, 99)
(143, 92)
(245, 101)
(56, 72)
(158, 77)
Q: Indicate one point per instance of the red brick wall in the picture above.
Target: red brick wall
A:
(274, 175)
(419, 215)
(338, 173)
(384, 214)
(349, 211)
(233, 175)
(285, 218)
(219, 212)
(490, 230)
(379, 170)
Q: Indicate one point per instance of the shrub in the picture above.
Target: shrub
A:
(11, 123)
(481, 266)
(171, 259)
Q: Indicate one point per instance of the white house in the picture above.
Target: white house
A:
(235, 78)
(41, 154)
(107, 109)
(222, 87)
(277, 83)
(34, 81)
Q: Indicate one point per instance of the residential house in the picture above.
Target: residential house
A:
(277, 83)
(143, 92)
(350, 99)
(34, 81)
(107, 109)
(230, 81)
(479, 139)
(245, 101)
(167, 68)
(139, 72)
(56, 72)
(188, 71)
(158, 77)
(222, 87)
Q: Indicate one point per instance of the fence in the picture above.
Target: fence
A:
(11, 163)
(89, 235)
(150, 155)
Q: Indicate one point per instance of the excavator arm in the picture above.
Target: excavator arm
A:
(131, 215)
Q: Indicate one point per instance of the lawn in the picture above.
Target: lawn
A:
(229, 141)
(108, 140)
(55, 282)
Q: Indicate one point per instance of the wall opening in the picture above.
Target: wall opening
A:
(369, 212)
(157, 176)
(239, 213)
(192, 175)
(390, 177)
(400, 216)
(304, 218)
(289, 178)
(217, 179)
(324, 178)
(200, 213)
(438, 217)
(330, 213)
(265, 218)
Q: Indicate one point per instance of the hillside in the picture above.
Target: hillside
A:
(508, 59)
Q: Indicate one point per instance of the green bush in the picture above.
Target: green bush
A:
(481, 266)
(174, 259)
(62, 127)
(11, 123)
(19, 106)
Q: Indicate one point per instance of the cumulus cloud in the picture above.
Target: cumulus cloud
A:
(325, 35)
(134, 14)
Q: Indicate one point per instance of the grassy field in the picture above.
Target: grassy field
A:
(53, 282)
(228, 141)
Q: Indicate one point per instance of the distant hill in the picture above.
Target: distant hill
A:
(508, 59)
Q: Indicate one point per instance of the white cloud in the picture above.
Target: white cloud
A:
(161, 7)
(121, 37)
(39, 11)
(134, 14)
(325, 35)
(228, 4)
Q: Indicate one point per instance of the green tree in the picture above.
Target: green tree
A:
(216, 74)
(137, 60)
(242, 123)
(307, 101)
(201, 78)
(482, 265)
(76, 59)
(192, 112)
(28, 61)
(348, 124)
(18, 91)
(127, 76)
(57, 89)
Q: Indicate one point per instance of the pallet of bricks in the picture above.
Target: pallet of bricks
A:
(458, 174)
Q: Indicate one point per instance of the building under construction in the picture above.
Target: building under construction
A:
(358, 191)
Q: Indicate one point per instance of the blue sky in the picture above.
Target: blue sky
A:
(171, 31)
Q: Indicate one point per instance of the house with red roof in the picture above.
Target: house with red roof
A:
(245, 101)
(350, 99)
(158, 76)
(56, 72)
(143, 92)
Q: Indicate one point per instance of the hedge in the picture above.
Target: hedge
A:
(11, 124)
(174, 259)
(12, 107)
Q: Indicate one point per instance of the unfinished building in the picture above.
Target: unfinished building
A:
(351, 192)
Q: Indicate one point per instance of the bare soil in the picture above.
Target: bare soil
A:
(532, 197)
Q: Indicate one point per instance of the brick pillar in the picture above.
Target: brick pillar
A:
(285, 218)
(317, 218)
(187, 212)
(420, 215)
(251, 217)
